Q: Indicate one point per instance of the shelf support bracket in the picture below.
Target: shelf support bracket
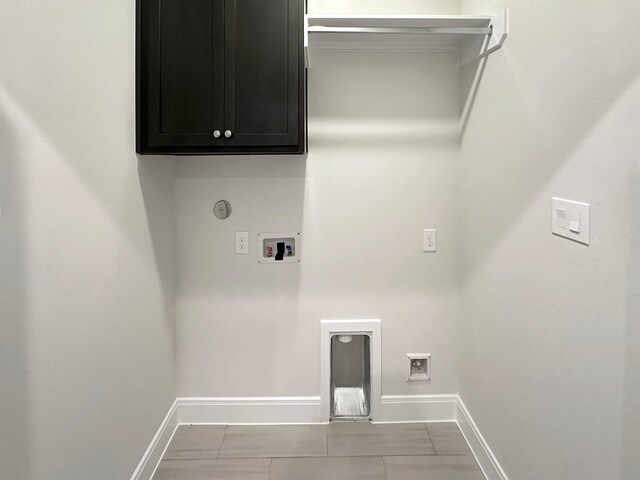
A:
(307, 52)
(481, 47)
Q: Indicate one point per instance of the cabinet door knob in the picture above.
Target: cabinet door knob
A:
(216, 133)
(227, 133)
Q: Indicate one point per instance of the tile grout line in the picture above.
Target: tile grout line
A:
(326, 436)
(431, 439)
(384, 466)
(266, 457)
(222, 441)
(363, 455)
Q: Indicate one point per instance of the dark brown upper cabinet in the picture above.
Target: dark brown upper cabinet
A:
(220, 77)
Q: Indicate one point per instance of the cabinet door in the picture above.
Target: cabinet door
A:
(185, 73)
(264, 73)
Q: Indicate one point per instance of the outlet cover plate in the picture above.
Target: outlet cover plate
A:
(429, 240)
(242, 242)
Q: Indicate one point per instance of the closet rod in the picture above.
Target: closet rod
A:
(413, 30)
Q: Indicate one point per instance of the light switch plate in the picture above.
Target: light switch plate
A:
(570, 219)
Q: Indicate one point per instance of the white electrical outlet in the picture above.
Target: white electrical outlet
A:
(242, 242)
(429, 240)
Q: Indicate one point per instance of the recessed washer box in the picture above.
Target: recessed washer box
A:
(419, 367)
(281, 247)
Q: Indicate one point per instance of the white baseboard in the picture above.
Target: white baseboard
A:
(480, 448)
(249, 410)
(292, 410)
(418, 408)
(151, 458)
(307, 410)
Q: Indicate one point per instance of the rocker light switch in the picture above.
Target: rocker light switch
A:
(561, 216)
(570, 219)
(574, 224)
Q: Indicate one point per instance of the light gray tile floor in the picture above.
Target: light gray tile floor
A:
(334, 468)
(354, 439)
(338, 451)
(218, 469)
(447, 439)
(195, 442)
(274, 441)
(434, 467)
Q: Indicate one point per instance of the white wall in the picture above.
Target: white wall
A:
(550, 351)
(382, 166)
(86, 248)
(550, 337)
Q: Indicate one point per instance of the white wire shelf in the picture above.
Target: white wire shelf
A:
(472, 37)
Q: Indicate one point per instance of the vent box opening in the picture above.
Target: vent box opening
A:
(350, 376)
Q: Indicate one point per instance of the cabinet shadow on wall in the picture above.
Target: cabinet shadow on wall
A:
(15, 458)
(631, 420)
(156, 175)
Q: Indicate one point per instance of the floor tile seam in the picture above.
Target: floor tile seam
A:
(388, 455)
(372, 455)
(455, 455)
(349, 456)
(384, 466)
(270, 457)
(226, 429)
(188, 458)
(231, 458)
(430, 438)
(330, 456)
(326, 438)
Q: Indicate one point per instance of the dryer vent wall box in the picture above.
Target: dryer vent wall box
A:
(283, 247)
(419, 367)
